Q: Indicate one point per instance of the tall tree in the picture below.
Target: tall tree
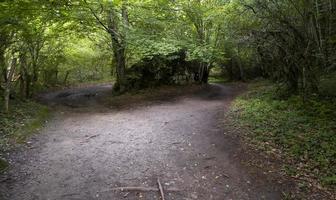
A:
(113, 17)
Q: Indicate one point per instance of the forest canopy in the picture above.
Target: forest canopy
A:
(54, 43)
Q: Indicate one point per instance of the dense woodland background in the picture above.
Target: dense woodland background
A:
(138, 44)
(55, 43)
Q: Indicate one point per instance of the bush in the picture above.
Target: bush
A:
(162, 70)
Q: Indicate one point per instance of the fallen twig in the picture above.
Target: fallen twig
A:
(225, 175)
(92, 136)
(88, 138)
(161, 189)
(140, 189)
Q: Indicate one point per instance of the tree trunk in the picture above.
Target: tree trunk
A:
(66, 77)
(120, 61)
(119, 47)
(8, 84)
(23, 77)
(3, 68)
(241, 69)
(120, 69)
(205, 73)
(34, 78)
(118, 38)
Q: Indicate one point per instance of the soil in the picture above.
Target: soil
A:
(91, 146)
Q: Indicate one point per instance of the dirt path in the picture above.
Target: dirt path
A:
(83, 154)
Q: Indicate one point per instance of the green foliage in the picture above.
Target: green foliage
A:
(147, 48)
(85, 61)
(303, 131)
(248, 38)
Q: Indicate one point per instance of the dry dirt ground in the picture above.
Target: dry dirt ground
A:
(90, 147)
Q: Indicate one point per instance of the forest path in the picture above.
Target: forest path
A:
(84, 152)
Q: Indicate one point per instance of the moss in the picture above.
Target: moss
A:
(303, 131)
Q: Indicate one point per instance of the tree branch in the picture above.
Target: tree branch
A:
(97, 18)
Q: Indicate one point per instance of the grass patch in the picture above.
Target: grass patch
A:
(305, 133)
(24, 119)
(3, 165)
(217, 79)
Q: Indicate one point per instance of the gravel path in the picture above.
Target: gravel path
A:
(84, 154)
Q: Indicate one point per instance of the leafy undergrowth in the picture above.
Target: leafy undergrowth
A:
(24, 118)
(303, 134)
(327, 85)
